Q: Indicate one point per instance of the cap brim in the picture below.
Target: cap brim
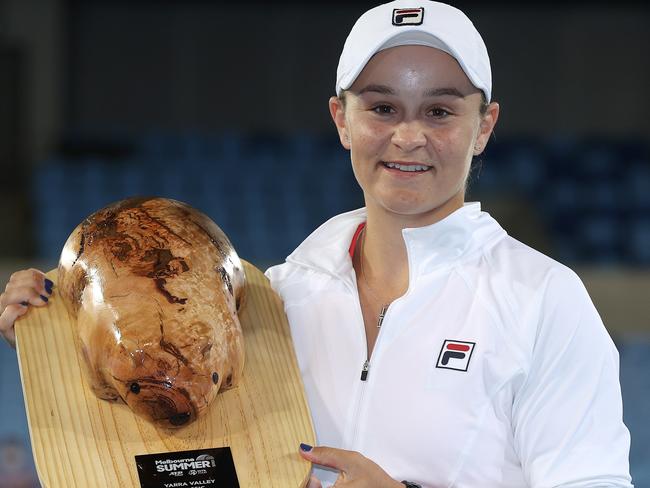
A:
(408, 38)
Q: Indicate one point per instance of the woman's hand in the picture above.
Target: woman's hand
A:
(355, 470)
(25, 288)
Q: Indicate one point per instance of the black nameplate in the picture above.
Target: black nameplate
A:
(203, 468)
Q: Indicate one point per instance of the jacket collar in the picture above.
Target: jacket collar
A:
(459, 235)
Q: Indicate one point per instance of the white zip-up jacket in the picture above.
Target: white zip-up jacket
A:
(493, 370)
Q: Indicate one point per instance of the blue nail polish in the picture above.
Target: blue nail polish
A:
(305, 447)
(44, 298)
(48, 286)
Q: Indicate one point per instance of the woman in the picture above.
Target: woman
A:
(434, 348)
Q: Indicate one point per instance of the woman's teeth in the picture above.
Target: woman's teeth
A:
(407, 167)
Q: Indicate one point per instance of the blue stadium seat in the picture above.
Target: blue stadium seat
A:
(637, 183)
(598, 161)
(638, 241)
(598, 237)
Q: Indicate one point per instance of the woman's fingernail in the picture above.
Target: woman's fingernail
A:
(305, 447)
(44, 298)
(48, 286)
(24, 304)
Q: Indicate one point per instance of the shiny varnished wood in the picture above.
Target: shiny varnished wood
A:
(81, 441)
(154, 286)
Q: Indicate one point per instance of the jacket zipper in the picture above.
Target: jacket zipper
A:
(361, 392)
(366, 365)
(364, 370)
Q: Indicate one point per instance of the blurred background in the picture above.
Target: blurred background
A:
(224, 106)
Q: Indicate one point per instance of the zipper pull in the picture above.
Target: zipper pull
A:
(364, 371)
(382, 314)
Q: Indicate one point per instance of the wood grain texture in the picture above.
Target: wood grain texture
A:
(81, 441)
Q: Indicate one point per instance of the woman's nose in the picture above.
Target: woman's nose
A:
(409, 135)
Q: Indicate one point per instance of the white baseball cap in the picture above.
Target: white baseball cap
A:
(418, 22)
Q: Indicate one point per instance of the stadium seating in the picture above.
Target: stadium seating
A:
(268, 191)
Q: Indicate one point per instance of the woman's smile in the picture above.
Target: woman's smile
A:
(410, 168)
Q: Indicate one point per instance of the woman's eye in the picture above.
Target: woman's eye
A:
(383, 109)
(439, 112)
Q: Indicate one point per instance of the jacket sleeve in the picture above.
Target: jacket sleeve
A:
(567, 415)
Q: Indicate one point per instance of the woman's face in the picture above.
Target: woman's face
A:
(412, 123)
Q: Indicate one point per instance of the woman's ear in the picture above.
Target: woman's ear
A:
(337, 111)
(486, 126)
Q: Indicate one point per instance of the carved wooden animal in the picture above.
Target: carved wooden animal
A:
(154, 286)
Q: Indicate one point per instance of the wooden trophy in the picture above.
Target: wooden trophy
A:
(82, 441)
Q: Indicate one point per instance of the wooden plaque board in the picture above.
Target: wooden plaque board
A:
(81, 441)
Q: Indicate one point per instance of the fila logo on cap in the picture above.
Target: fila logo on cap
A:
(455, 355)
(408, 16)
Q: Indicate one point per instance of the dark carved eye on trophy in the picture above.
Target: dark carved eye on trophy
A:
(179, 419)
